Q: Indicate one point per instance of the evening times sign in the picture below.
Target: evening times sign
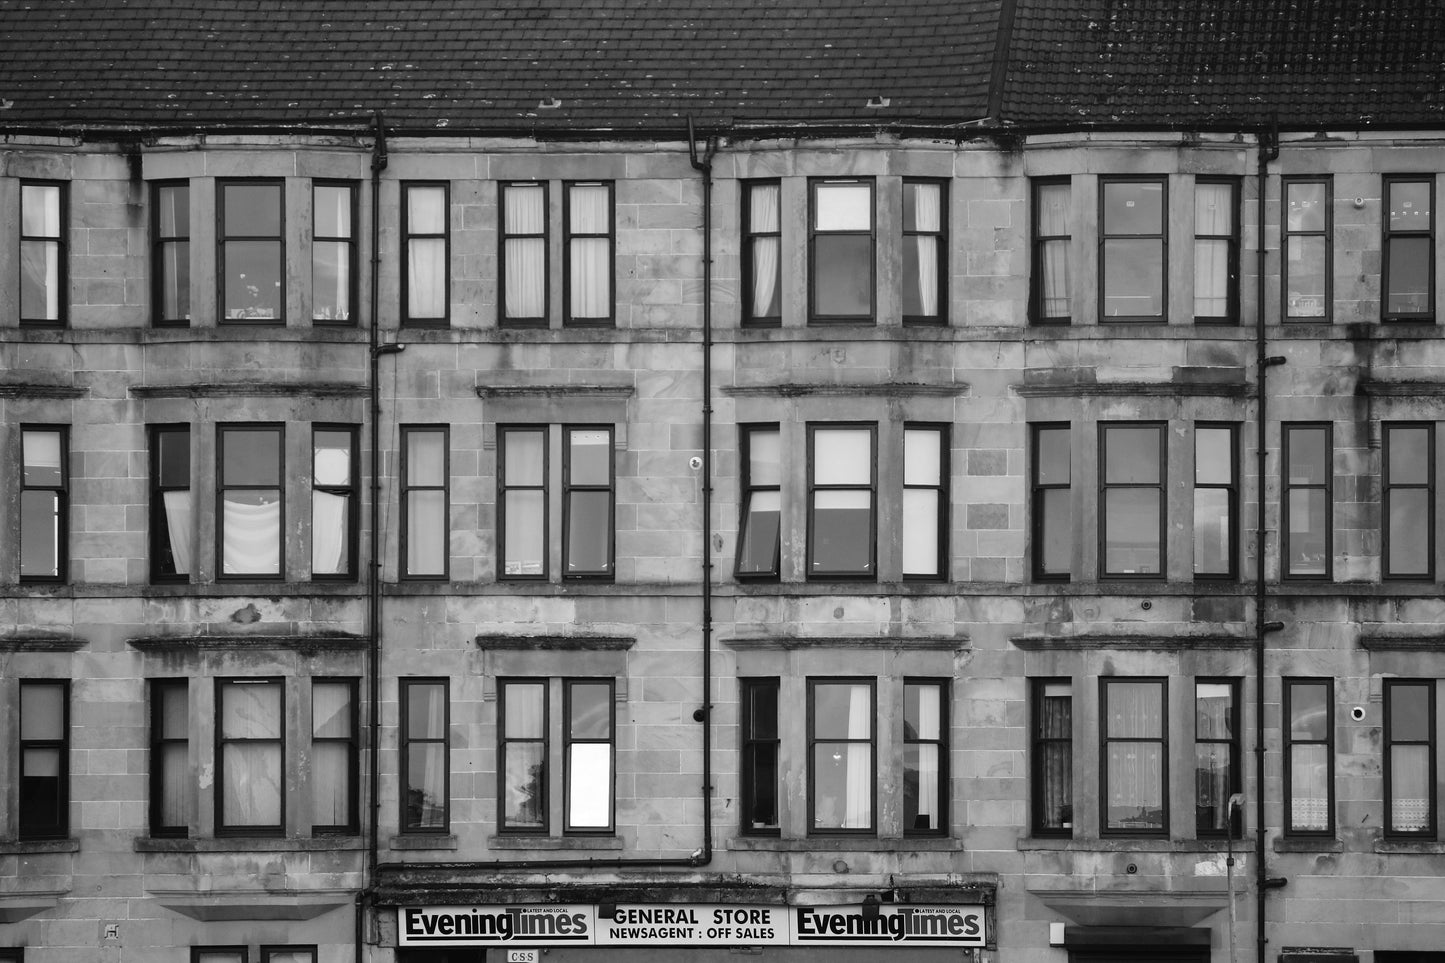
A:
(700, 925)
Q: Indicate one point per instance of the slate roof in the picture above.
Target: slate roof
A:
(452, 64)
(642, 67)
(1353, 63)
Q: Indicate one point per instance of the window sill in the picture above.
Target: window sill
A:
(845, 844)
(1410, 847)
(424, 841)
(1322, 844)
(241, 844)
(522, 843)
(35, 847)
(1130, 844)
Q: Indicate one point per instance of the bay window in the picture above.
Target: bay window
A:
(250, 513)
(44, 503)
(840, 250)
(841, 755)
(250, 756)
(842, 499)
(1133, 249)
(251, 241)
(1134, 746)
(172, 515)
(425, 756)
(523, 276)
(588, 249)
(426, 250)
(44, 254)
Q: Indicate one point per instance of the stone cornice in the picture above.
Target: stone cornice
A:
(1143, 643)
(252, 389)
(1401, 389)
(605, 392)
(37, 642)
(937, 643)
(798, 390)
(298, 643)
(35, 389)
(554, 643)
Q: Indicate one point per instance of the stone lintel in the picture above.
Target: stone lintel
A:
(252, 389)
(613, 392)
(1142, 643)
(41, 642)
(551, 643)
(950, 643)
(956, 389)
(299, 643)
(25, 389)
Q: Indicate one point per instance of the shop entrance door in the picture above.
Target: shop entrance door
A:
(1140, 954)
(467, 955)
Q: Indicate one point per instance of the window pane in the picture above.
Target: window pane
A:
(920, 276)
(842, 711)
(39, 280)
(1213, 456)
(843, 275)
(1307, 533)
(526, 277)
(252, 784)
(39, 534)
(588, 531)
(523, 455)
(251, 458)
(426, 210)
(174, 458)
(922, 711)
(252, 210)
(1054, 279)
(1309, 711)
(331, 457)
(253, 279)
(842, 529)
(426, 458)
(1132, 530)
(174, 715)
(1308, 456)
(1055, 766)
(1409, 205)
(587, 206)
(760, 536)
(844, 207)
(1306, 207)
(1058, 531)
(1410, 713)
(526, 551)
(331, 280)
(1305, 294)
(843, 457)
(428, 540)
(220, 956)
(524, 797)
(525, 209)
(842, 785)
(764, 458)
(1211, 786)
(426, 711)
(40, 210)
(590, 282)
(591, 711)
(42, 711)
(1132, 455)
(920, 532)
(920, 788)
(1053, 209)
(330, 784)
(332, 210)
(1410, 788)
(251, 527)
(1136, 798)
(590, 458)
(921, 207)
(1409, 537)
(1409, 451)
(921, 456)
(1133, 278)
(426, 291)
(762, 721)
(1135, 710)
(331, 710)
(1053, 456)
(1133, 208)
(763, 808)
(1211, 278)
(1408, 286)
(173, 211)
(177, 785)
(251, 710)
(1211, 531)
(590, 788)
(41, 454)
(524, 719)
(1213, 209)
(1309, 788)
(426, 786)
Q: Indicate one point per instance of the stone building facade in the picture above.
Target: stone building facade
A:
(992, 518)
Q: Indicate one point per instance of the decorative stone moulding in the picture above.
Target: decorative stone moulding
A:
(252, 389)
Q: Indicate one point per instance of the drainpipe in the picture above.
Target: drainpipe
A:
(704, 854)
(1268, 150)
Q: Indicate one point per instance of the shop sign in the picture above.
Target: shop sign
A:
(697, 925)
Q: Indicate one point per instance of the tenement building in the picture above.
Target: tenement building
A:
(658, 480)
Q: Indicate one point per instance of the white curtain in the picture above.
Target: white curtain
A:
(929, 721)
(928, 216)
(330, 761)
(251, 770)
(1309, 791)
(426, 256)
(252, 540)
(763, 217)
(1212, 216)
(40, 260)
(526, 268)
(328, 533)
(179, 526)
(1409, 788)
(590, 283)
(1135, 757)
(1053, 221)
(858, 799)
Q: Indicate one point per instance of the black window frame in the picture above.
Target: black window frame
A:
(1232, 239)
(1231, 488)
(750, 235)
(222, 429)
(942, 743)
(1388, 487)
(747, 488)
(1038, 242)
(1161, 486)
(756, 748)
(503, 236)
(27, 825)
(407, 236)
(223, 238)
(61, 241)
(159, 741)
(813, 487)
(568, 319)
(1039, 741)
(15, 955)
(1105, 739)
(1388, 236)
(812, 740)
(1038, 532)
(1326, 235)
(351, 491)
(61, 493)
(941, 318)
(1234, 743)
(159, 531)
(569, 740)
(259, 829)
(941, 491)
(407, 741)
(568, 487)
(352, 257)
(352, 742)
(1287, 488)
(1431, 829)
(1162, 237)
(405, 489)
(504, 741)
(504, 489)
(1287, 686)
(161, 242)
(814, 316)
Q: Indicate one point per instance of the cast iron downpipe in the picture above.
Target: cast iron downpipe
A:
(704, 854)
(1268, 144)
